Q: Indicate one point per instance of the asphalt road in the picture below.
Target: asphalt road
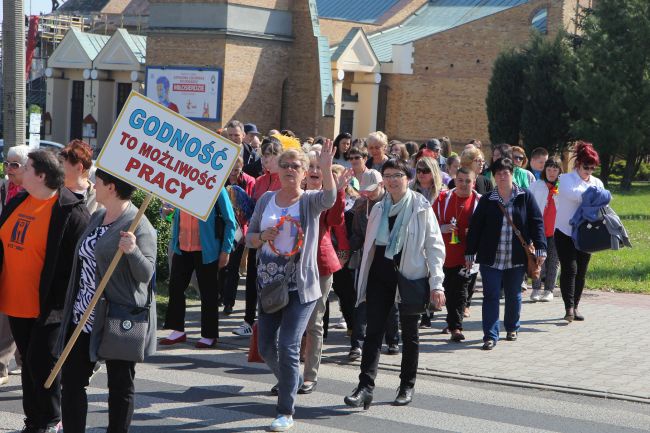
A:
(185, 390)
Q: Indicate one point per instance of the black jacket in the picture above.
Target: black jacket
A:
(485, 228)
(252, 161)
(69, 219)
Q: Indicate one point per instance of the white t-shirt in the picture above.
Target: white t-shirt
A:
(288, 232)
(569, 198)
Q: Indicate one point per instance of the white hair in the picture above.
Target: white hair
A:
(20, 152)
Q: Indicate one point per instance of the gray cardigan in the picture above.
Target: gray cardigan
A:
(312, 203)
(128, 284)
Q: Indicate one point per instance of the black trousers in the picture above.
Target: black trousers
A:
(75, 377)
(343, 286)
(470, 289)
(183, 265)
(36, 343)
(229, 277)
(456, 294)
(380, 299)
(251, 287)
(573, 265)
(391, 335)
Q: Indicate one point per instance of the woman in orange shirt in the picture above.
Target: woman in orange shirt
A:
(39, 230)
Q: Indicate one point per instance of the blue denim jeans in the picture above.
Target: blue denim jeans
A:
(493, 280)
(279, 336)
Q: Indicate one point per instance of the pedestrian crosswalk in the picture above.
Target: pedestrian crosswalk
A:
(186, 390)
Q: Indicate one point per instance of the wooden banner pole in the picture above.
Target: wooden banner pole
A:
(98, 293)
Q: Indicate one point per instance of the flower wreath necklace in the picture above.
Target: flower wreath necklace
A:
(299, 234)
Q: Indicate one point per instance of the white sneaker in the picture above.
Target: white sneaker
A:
(244, 330)
(536, 295)
(282, 423)
(341, 324)
(547, 296)
(16, 371)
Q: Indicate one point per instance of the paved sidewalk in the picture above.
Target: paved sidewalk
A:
(607, 355)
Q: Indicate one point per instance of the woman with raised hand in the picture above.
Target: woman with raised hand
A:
(284, 229)
(129, 286)
(402, 236)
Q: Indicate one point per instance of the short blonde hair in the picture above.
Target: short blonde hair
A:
(295, 154)
(379, 137)
(468, 156)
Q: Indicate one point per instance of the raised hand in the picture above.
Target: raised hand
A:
(344, 179)
(326, 155)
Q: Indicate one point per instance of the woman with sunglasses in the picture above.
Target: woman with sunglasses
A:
(357, 156)
(574, 263)
(402, 236)
(428, 181)
(285, 231)
(522, 177)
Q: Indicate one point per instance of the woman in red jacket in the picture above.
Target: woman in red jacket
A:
(328, 263)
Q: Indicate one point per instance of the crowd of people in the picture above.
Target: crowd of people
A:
(373, 220)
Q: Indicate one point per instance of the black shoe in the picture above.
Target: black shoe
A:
(360, 397)
(488, 345)
(570, 315)
(425, 322)
(307, 389)
(404, 396)
(275, 390)
(393, 349)
(511, 336)
(227, 310)
(577, 316)
(355, 353)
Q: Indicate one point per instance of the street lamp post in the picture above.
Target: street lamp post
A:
(13, 76)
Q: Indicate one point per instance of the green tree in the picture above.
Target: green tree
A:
(503, 101)
(612, 87)
(163, 230)
(545, 116)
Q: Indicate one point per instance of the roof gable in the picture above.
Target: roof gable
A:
(435, 17)
(77, 50)
(122, 52)
(354, 53)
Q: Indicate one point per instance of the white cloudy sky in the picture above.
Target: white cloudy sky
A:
(35, 7)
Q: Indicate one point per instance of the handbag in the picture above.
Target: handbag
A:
(253, 350)
(532, 269)
(124, 336)
(593, 236)
(275, 295)
(415, 295)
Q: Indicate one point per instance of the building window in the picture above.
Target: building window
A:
(540, 21)
(123, 91)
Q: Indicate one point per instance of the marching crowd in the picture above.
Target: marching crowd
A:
(397, 230)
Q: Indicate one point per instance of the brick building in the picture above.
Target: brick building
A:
(413, 68)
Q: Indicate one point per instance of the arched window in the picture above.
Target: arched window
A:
(540, 21)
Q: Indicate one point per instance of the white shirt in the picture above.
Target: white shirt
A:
(288, 232)
(569, 198)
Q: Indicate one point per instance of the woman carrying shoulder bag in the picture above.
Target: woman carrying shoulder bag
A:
(403, 240)
(120, 341)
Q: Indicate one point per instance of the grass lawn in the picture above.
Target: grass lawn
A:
(626, 270)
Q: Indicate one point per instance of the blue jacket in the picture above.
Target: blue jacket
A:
(211, 247)
(485, 229)
(593, 200)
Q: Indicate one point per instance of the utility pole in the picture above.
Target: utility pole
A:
(13, 77)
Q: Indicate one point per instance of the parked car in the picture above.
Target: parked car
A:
(44, 143)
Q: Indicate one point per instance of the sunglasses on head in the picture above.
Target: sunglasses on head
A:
(422, 170)
(11, 164)
(286, 165)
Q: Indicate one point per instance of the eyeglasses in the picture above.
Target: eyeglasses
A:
(354, 157)
(294, 165)
(518, 157)
(589, 167)
(422, 170)
(12, 164)
(396, 176)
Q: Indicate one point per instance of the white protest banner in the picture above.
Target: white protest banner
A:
(173, 158)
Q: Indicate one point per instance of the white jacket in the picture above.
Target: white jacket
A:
(540, 193)
(423, 252)
(569, 198)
